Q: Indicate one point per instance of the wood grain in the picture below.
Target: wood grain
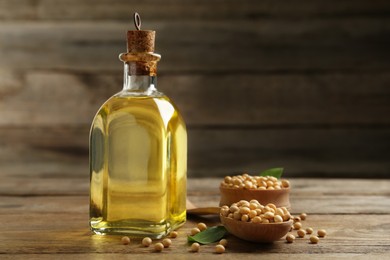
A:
(314, 204)
(20, 185)
(189, 9)
(330, 99)
(203, 46)
(214, 152)
(356, 221)
(301, 84)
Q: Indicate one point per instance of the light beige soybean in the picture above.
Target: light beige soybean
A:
(245, 218)
(194, 231)
(219, 249)
(223, 242)
(237, 215)
(225, 212)
(279, 212)
(202, 226)
(269, 215)
(285, 183)
(167, 242)
(158, 247)
(285, 210)
(253, 206)
(273, 179)
(321, 233)
(261, 183)
(297, 219)
(147, 241)
(256, 219)
(297, 225)
(244, 203)
(278, 219)
(233, 209)
(125, 240)
(301, 233)
(252, 213)
(314, 239)
(303, 216)
(195, 247)
(248, 185)
(228, 179)
(173, 234)
(244, 210)
(290, 238)
(237, 181)
(286, 217)
(309, 230)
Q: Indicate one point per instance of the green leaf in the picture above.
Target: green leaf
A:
(210, 235)
(275, 172)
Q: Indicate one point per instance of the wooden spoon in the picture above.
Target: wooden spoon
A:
(256, 232)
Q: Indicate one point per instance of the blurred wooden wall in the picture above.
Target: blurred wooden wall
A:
(301, 84)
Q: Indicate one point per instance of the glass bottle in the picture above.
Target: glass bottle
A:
(138, 152)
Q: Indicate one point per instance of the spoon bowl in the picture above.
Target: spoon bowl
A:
(256, 232)
(281, 198)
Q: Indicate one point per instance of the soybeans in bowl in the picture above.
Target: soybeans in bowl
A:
(264, 189)
(252, 221)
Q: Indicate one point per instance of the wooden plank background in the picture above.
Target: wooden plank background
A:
(302, 84)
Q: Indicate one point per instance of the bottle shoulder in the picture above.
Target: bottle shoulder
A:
(139, 107)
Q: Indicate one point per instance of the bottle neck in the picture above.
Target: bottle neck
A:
(133, 82)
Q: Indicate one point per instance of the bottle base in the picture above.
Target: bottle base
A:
(130, 233)
(133, 229)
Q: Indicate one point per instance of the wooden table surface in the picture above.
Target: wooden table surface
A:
(45, 218)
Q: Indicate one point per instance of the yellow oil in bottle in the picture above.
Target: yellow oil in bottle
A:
(138, 160)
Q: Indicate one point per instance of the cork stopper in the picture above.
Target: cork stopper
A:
(140, 57)
(138, 40)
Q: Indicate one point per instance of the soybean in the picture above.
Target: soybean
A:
(173, 234)
(321, 232)
(125, 240)
(219, 249)
(195, 247)
(158, 247)
(301, 233)
(314, 239)
(202, 226)
(297, 225)
(290, 238)
(146, 241)
(223, 242)
(167, 242)
(194, 231)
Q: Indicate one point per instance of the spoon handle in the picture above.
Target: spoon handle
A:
(204, 211)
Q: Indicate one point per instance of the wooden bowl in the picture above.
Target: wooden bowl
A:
(256, 232)
(281, 198)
